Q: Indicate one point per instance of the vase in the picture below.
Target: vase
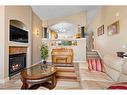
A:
(44, 62)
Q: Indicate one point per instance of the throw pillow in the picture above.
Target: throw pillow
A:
(95, 64)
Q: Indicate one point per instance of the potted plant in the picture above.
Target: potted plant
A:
(44, 52)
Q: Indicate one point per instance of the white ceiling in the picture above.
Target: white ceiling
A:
(50, 12)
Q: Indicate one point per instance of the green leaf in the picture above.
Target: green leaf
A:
(44, 51)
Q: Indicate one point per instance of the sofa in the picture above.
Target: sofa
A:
(114, 71)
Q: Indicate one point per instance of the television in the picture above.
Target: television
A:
(18, 35)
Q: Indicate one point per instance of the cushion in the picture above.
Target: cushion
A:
(124, 67)
(113, 66)
(90, 84)
(94, 76)
(123, 74)
(122, 78)
(114, 74)
(122, 85)
(94, 64)
(114, 62)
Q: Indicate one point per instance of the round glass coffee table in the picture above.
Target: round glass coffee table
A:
(39, 75)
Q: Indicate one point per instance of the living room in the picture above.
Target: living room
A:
(106, 23)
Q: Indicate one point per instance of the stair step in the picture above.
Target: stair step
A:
(67, 80)
(63, 65)
(92, 52)
(92, 55)
(66, 75)
(65, 68)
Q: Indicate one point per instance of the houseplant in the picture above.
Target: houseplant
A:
(44, 52)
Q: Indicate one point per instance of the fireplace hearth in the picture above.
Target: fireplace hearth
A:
(16, 63)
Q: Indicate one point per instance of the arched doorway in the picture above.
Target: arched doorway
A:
(62, 30)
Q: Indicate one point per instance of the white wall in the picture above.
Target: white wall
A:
(107, 15)
(37, 38)
(2, 42)
(79, 50)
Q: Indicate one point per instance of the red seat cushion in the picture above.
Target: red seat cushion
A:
(122, 85)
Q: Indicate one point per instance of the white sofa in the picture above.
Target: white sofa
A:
(115, 71)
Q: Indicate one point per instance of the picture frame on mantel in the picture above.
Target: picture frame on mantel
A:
(113, 29)
(100, 30)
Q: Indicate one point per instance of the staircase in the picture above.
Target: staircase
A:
(66, 73)
(92, 54)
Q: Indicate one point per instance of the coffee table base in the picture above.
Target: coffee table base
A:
(36, 86)
(50, 84)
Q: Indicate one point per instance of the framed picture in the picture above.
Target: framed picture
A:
(113, 28)
(100, 30)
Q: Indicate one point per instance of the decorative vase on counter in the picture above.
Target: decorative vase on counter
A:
(44, 62)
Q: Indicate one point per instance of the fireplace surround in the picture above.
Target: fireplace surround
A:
(16, 63)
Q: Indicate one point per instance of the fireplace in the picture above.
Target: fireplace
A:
(16, 63)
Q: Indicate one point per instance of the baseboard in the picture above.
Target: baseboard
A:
(4, 80)
(1, 80)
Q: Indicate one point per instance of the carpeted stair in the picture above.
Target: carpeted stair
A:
(66, 73)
